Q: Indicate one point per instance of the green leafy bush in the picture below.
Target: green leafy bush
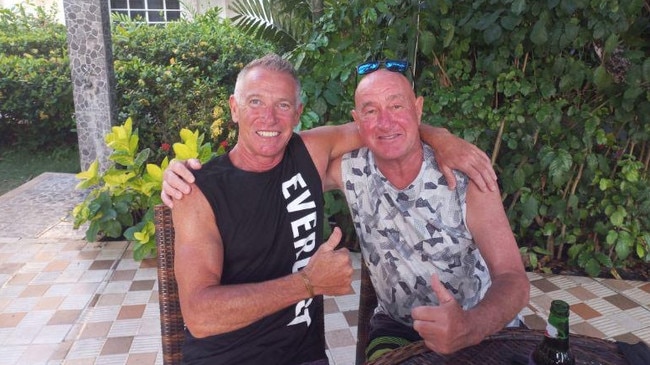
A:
(36, 105)
(180, 75)
(558, 93)
(121, 200)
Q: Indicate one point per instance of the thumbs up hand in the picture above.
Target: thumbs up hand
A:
(442, 327)
(330, 270)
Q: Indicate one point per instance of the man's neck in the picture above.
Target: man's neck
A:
(401, 172)
(245, 161)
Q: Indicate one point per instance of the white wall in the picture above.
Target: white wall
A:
(48, 5)
(200, 6)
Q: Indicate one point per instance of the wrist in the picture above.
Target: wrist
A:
(307, 282)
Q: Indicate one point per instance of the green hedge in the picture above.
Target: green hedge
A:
(557, 92)
(168, 77)
(180, 76)
(36, 105)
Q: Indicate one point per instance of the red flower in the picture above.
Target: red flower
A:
(165, 147)
(224, 144)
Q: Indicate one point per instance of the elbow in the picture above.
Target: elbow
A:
(195, 320)
(197, 328)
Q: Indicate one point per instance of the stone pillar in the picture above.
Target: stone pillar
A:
(93, 78)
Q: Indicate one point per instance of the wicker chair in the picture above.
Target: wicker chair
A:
(171, 320)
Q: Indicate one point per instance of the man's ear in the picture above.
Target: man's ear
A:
(234, 108)
(354, 115)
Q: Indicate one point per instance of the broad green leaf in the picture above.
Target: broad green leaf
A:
(539, 34)
(574, 250)
(632, 92)
(541, 250)
(112, 229)
(186, 135)
(92, 231)
(618, 217)
(592, 267)
(631, 175)
(118, 177)
(142, 237)
(155, 172)
(427, 41)
(646, 70)
(487, 20)
(602, 78)
(142, 157)
(510, 22)
(640, 250)
(492, 34)
(518, 179)
(604, 260)
(624, 245)
(611, 238)
(518, 6)
(122, 158)
(89, 177)
(561, 163)
(611, 43)
(183, 152)
(529, 207)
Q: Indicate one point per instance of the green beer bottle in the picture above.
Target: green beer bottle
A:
(554, 348)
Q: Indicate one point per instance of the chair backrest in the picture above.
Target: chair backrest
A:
(171, 319)
(367, 304)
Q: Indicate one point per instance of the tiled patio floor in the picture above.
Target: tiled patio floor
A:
(66, 301)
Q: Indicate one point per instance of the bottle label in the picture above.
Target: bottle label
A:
(551, 331)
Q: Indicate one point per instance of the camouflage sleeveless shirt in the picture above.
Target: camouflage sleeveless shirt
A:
(407, 235)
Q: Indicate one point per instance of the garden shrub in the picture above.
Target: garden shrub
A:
(558, 93)
(121, 201)
(180, 75)
(36, 105)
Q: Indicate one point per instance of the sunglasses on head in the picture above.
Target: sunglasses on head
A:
(391, 65)
(400, 66)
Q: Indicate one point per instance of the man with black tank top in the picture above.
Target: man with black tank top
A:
(251, 261)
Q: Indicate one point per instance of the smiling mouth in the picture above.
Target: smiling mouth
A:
(267, 134)
(391, 136)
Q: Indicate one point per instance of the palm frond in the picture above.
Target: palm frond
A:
(286, 22)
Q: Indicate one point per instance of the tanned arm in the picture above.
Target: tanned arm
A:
(210, 308)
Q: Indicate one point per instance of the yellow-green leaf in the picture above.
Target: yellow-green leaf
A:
(89, 177)
(118, 177)
(155, 172)
(183, 152)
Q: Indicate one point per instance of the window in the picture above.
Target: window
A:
(149, 11)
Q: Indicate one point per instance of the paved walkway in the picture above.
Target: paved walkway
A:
(66, 301)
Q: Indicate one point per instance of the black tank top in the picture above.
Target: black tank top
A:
(271, 223)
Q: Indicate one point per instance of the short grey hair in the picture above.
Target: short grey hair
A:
(271, 62)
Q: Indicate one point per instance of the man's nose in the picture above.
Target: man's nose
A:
(269, 113)
(383, 119)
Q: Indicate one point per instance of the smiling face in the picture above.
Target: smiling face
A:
(388, 116)
(267, 108)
